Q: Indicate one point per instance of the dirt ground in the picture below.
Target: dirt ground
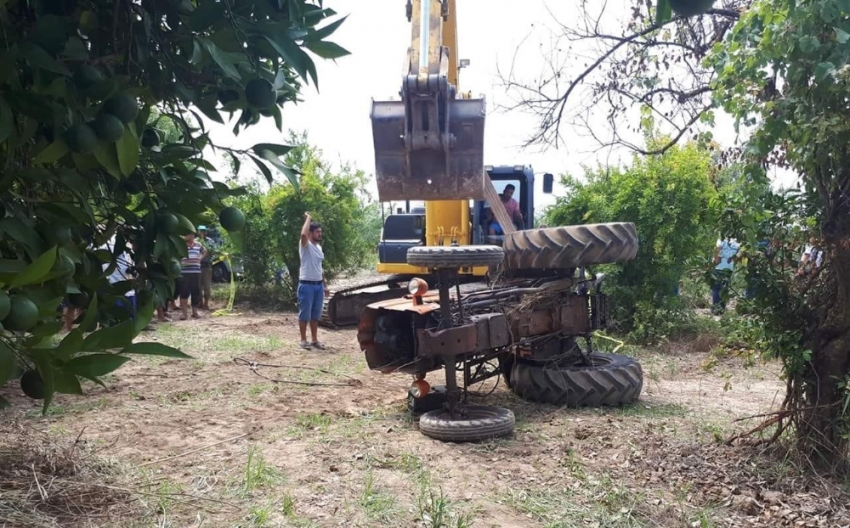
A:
(210, 442)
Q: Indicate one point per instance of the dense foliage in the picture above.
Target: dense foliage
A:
(670, 198)
(785, 72)
(336, 198)
(84, 85)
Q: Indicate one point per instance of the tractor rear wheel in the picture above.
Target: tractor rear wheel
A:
(569, 247)
(611, 380)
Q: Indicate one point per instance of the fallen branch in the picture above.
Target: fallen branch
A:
(254, 366)
(194, 450)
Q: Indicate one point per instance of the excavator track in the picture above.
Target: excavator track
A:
(343, 306)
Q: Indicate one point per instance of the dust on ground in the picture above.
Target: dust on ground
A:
(210, 442)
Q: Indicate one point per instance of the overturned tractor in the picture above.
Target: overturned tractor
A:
(532, 325)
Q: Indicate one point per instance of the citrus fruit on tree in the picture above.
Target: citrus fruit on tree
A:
(231, 219)
(123, 107)
(688, 8)
(260, 93)
(23, 314)
(168, 223)
(86, 75)
(5, 305)
(81, 139)
(108, 127)
(32, 384)
(175, 269)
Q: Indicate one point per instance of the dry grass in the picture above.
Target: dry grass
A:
(46, 482)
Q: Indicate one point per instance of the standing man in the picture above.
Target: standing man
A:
(512, 206)
(206, 267)
(725, 254)
(311, 282)
(190, 280)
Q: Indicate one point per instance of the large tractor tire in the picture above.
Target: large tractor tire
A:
(455, 257)
(570, 247)
(482, 422)
(611, 380)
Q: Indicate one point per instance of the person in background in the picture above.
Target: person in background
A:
(490, 224)
(311, 283)
(811, 260)
(122, 272)
(512, 206)
(190, 280)
(206, 267)
(725, 253)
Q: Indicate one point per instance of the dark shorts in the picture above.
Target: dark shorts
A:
(189, 284)
(310, 300)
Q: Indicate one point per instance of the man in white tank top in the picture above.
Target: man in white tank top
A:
(311, 283)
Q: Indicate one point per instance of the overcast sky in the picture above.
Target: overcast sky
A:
(377, 34)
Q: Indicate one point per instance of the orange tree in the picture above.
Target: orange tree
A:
(85, 164)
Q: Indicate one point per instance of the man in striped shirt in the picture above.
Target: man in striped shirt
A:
(190, 281)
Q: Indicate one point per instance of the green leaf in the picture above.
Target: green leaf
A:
(94, 365)
(108, 158)
(279, 150)
(225, 60)
(144, 314)
(207, 106)
(7, 120)
(824, 70)
(237, 163)
(66, 383)
(154, 349)
(36, 271)
(663, 12)
(7, 363)
(327, 50)
(291, 53)
(841, 36)
(116, 336)
(128, 151)
(41, 358)
(49, 328)
(37, 57)
(4, 403)
(160, 246)
(327, 31)
(90, 318)
(70, 345)
(278, 118)
(265, 170)
(290, 173)
(808, 43)
(53, 152)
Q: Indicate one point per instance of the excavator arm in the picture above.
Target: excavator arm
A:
(429, 145)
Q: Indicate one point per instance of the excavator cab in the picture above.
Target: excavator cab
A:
(521, 177)
(429, 145)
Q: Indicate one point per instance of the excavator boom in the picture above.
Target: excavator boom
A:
(429, 145)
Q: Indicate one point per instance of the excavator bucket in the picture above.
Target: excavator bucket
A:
(415, 161)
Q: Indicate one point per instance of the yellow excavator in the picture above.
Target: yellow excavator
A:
(429, 146)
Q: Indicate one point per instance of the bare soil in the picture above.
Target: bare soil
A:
(210, 442)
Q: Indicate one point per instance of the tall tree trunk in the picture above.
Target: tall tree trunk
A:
(823, 428)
